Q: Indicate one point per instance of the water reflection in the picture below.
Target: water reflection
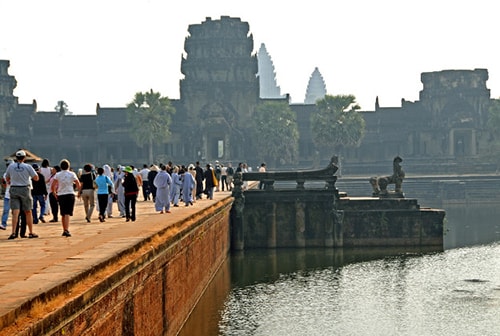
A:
(455, 292)
(471, 225)
(362, 291)
(204, 320)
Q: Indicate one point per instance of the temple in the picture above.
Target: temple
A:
(224, 81)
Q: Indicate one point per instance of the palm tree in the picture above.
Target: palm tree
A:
(150, 116)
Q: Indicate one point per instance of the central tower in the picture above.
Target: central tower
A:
(220, 89)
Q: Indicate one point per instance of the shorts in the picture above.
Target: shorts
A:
(20, 198)
(66, 204)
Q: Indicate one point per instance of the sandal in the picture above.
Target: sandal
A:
(12, 236)
(33, 235)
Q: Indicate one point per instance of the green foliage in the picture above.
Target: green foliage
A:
(493, 127)
(276, 132)
(337, 123)
(150, 116)
(62, 108)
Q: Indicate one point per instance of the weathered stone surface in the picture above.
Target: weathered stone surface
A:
(116, 278)
(303, 217)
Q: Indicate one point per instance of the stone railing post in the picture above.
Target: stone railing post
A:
(237, 223)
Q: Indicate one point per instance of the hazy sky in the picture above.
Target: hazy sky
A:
(104, 51)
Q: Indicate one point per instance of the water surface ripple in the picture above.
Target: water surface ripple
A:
(456, 292)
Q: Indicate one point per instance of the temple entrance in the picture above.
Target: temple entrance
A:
(215, 148)
(463, 142)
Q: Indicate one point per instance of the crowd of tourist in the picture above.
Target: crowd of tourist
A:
(33, 192)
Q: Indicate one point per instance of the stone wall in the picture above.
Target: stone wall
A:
(150, 289)
(315, 218)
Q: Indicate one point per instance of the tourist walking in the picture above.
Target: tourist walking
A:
(19, 175)
(108, 171)
(6, 200)
(223, 177)
(63, 187)
(162, 182)
(46, 171)
(105, 187)
(218, 172)
(210, 181)
(230, 175)
(262, 169)
(54, 205)
(188, 184)
(87, 191)
(153, 170)
(131, 190)
(145, 182)
(244, 169)
(199, 180)
(175, 191)
(192, 171)
(119, 191)
(39, 194)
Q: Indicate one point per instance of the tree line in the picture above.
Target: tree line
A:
(336, 124)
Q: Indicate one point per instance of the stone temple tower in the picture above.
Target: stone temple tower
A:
(267, 76)
(8, 101)
(316, 88)
(220, 89)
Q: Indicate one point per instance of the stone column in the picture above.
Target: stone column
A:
(300, 223)
(473, 145)
(271, 225)
(329, 228)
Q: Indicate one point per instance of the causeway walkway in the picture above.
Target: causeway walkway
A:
(29, 267)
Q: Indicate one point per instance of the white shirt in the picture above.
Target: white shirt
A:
(144, 174)
(65, 180)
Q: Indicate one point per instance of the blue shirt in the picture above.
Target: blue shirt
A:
(103, 182)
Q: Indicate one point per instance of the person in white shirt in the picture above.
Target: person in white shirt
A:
(145, 182)
(63, 186)
(19, 176)
(262, 169)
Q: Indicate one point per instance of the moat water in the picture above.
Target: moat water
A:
(362, 291)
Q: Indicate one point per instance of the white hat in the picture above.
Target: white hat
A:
(20, 153)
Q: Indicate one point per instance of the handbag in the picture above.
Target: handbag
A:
(216, 182)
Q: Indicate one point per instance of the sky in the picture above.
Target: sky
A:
(104, 51)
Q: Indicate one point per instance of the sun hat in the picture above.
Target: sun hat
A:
(128, 169)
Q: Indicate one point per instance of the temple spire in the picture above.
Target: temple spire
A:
(267, 76)
(316, 88)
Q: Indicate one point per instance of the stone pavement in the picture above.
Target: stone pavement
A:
(29, 267)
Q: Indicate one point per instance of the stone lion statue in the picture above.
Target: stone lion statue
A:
(379, 184)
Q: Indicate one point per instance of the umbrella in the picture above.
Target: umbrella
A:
(30, 157)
